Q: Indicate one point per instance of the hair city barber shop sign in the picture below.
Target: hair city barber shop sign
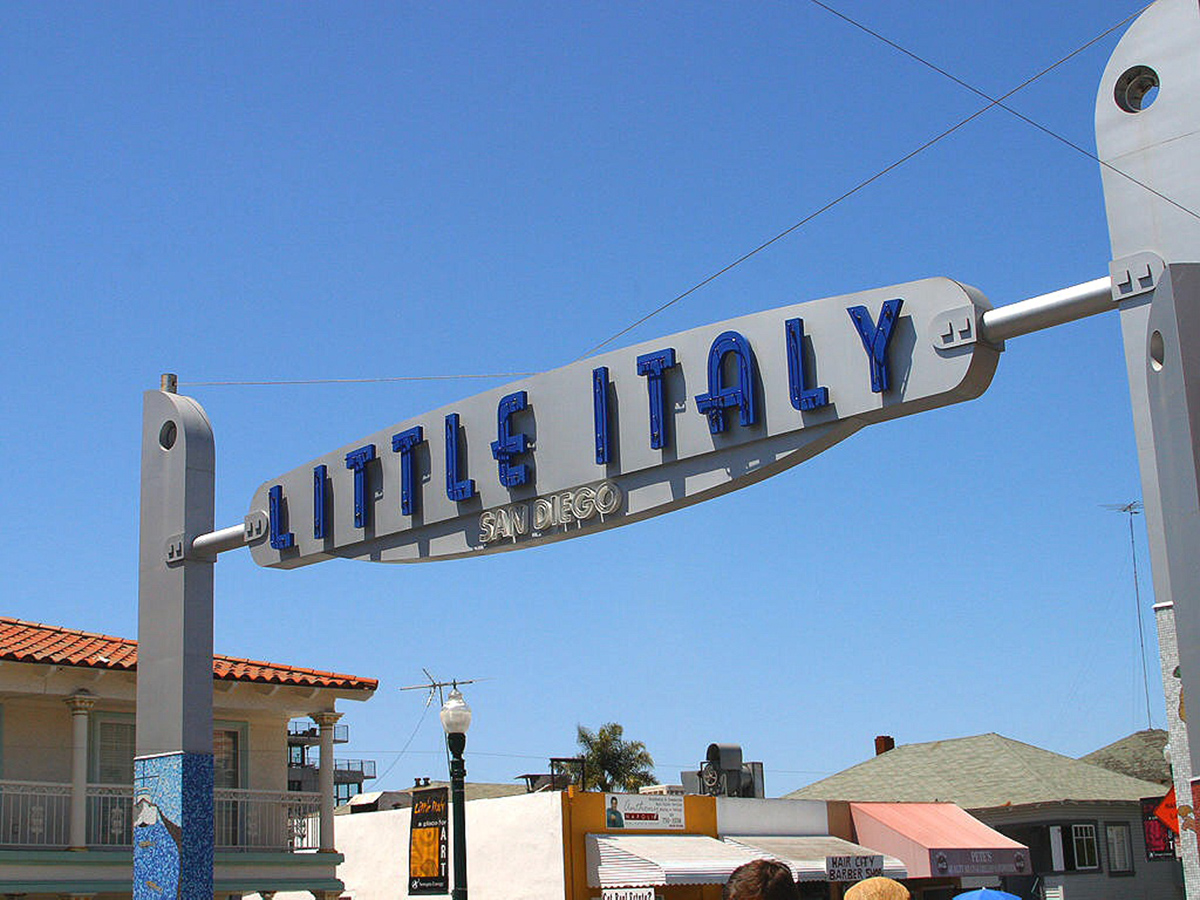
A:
(633, 433)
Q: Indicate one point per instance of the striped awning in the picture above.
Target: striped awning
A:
(815, 857)
(628, 860)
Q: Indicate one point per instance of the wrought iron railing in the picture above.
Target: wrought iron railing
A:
(109, 815)
(38, 814)
(35, 814)
(266, 820)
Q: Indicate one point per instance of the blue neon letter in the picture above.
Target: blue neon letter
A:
(320, 503)
(280, 539)
(404, 443)
(719, 397)
(875, 339)
(357, 460)
(653, 365)
(803, 397)
(455, 489)
(507, 445)
(600, 412)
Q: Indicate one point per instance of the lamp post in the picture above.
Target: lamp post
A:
(456, 719)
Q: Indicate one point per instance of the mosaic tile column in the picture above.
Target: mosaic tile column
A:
(173, 826)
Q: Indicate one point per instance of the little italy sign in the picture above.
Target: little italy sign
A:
(632, 433)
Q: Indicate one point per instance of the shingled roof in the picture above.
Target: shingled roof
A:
(979, 772)
(32, 642)
(1140, 755)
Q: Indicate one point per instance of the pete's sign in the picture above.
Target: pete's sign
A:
(632, 433)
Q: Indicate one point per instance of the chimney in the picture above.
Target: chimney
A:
(884, 743)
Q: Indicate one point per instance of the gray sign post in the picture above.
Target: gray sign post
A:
(1148, 140)
(173, 768)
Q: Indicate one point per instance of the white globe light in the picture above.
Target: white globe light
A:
(456, 715)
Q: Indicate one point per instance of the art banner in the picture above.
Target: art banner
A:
(428, 850)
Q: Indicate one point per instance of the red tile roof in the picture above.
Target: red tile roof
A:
(32, 642)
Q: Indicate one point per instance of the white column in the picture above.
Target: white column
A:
(81, 704)
(326, 720)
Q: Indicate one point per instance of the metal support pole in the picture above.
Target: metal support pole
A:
(173, 773)
(1047, 310)
(458, 799)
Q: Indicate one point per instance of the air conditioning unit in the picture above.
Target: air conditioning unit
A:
(723, 774)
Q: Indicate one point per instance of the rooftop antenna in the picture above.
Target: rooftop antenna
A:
(1131, 509)
(436, 687)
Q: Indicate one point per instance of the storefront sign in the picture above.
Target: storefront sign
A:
(632, 433)
(631, 812)
(1160, 824)
(998, 861)
(853, 868)
(627, 893)
(428, 869)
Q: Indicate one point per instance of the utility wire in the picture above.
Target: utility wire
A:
(357, 380)
(1024, 118)
(992, 102)
(404, 749)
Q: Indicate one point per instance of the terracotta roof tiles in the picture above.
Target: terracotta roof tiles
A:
(33, 642)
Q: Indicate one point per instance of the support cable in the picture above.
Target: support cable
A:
(992, 102)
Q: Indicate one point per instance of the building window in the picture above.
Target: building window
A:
(1083, 841)
(112, 749)
(1073, 847)
(226, 761)
(1120, 848)
(344, 791)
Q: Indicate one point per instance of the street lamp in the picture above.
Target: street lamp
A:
(456, 719)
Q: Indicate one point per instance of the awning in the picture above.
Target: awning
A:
(629, 860)
(823, 857)
(938, 839)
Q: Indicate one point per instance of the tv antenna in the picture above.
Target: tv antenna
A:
(1131, 509)
(437, 688)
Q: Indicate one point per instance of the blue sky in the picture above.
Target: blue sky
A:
(265, 192)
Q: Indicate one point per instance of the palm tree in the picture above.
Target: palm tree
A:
(613, 763)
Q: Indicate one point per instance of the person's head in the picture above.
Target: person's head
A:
(761, 879)
(612, 803)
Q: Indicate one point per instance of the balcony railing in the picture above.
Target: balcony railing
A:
(344, 770)
(109, 815)
(35, 814)
(38, 814)
(363, 767)
(266, 820)
(312, 732)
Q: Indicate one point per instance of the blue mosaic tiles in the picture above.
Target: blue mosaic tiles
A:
(173, 827)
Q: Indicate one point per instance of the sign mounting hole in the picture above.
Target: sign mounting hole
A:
(167, 434)
(1136, 89)
(1157, 351)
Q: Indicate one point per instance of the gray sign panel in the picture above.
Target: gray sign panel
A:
(633, 433)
